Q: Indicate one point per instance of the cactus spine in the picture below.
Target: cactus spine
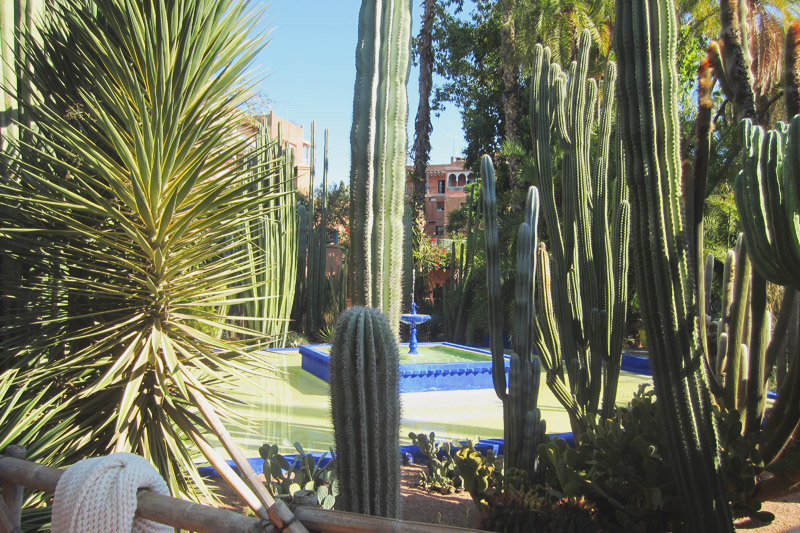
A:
(522, 422)
(584, 283)
(365, 409)
(645, 37)
(378, 148)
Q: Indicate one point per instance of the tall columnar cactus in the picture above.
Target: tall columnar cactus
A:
(378, 148)
(645, 40)
(271, 239)
(458, 288)
(365, 409)
(522, 423)
(317, 242)
(584, 281)
(408, 257)
(16, 27)
(302, 255)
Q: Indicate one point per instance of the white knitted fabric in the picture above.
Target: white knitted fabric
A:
(98, 495)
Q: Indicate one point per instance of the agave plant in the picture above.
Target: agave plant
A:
(123, 212)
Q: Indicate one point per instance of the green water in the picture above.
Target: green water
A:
(436, 353)
(295, 406)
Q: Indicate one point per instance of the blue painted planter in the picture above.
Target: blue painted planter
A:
(420, 377)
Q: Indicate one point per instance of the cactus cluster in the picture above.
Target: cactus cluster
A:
(442, 474)
(317, 240)
(271, 237)
(583, 281)
(378, 155)
(645, 37)
(479, 472)
(458, 287)
(305, 477)
(522, 423)
(767, 193)
(365, 410)
(743, 351)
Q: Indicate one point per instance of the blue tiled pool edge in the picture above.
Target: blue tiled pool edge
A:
(408, 454)
(419, 377)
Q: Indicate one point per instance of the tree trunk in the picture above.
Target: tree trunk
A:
(511, 101)
(422, 123)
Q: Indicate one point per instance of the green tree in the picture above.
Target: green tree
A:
(338, 206)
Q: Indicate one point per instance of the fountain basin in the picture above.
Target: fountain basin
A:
(420, 377)
(414, 318)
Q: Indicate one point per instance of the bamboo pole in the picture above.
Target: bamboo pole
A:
(278, 512)
(202, 518)
(12, 493)
(220, 465)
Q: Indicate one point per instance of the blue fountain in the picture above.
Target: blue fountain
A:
(413, 319)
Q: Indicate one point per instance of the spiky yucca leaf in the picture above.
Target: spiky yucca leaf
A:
(126, 211)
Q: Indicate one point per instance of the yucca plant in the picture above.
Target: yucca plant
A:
(126, 208)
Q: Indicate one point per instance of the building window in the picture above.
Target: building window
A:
(452, 178)
(439, 230)
(462, 180)
(441, 186)
(440, 206)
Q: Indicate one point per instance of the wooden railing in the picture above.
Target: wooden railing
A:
(16, 473)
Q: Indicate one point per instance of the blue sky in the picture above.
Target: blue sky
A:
(309, 66)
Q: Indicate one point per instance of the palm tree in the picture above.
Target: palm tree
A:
(126, 208)
(558, 24)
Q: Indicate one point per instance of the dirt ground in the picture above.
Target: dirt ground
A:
(459, 510)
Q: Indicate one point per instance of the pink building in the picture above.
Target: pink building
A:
(445, 192)
(293, 137)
